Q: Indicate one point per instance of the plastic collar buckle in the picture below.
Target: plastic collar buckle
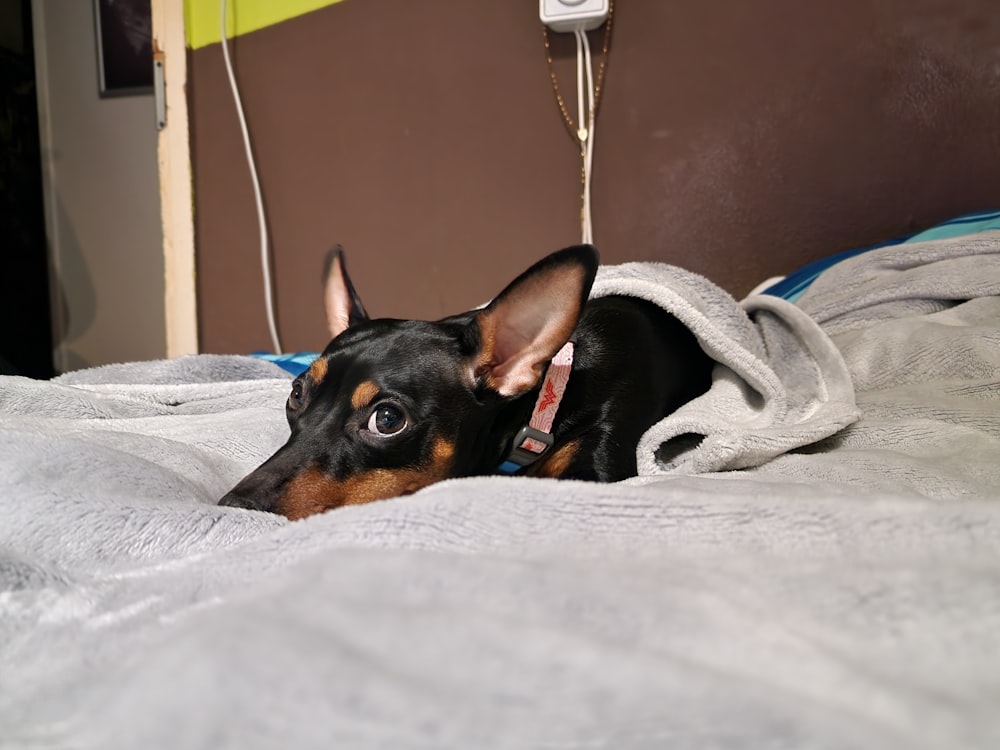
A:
(528, 446)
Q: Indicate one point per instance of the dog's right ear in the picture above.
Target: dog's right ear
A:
(342, 304)
(530, 320)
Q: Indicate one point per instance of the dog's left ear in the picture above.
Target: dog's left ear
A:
(342, 304)
(530, 320)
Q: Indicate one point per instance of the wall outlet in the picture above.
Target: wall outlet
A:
(573, 15)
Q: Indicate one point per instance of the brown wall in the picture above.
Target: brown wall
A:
(736, 139)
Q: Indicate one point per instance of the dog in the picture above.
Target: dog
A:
(542, 382)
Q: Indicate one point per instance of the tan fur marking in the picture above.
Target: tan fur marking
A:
(313, 491)
(307, 494)
(364, 394)
(442, 453)
(558, 463)
(317, 370)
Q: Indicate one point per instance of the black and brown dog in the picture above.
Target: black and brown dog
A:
(542, 381)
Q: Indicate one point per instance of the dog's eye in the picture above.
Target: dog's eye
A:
(386, 420)
(296, 397)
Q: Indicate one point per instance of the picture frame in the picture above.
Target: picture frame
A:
(124, 31)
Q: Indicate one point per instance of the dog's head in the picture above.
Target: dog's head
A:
(391, 406)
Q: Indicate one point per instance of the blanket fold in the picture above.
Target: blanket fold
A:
(779, 382)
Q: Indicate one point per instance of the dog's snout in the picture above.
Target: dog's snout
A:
(264, 488)
(248, 501)
(257, 491)
(234, 499)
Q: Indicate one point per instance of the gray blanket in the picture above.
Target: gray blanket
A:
(821, 569)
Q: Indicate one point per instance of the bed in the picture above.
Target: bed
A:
(819, 568)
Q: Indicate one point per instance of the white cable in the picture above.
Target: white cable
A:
(591, 122)
(586, 118)
(261, 223)
(581, 110)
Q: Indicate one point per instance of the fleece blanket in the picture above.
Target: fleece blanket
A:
(822, 570)
(779, 382)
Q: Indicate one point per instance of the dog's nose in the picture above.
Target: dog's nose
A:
(233, 500)
(263, 488)
(236, 499)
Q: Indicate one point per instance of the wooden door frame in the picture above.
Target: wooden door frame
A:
(176, 196)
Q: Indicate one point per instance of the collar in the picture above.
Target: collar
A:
(534, 439)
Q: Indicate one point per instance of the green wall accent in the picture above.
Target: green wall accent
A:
(201, 17)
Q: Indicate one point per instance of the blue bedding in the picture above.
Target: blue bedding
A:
(794, 284)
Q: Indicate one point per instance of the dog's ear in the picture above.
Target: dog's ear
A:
(342, 304)
(530, 320)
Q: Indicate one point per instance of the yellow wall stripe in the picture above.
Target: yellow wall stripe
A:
(201, 17)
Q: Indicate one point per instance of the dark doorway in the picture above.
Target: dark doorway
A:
(25, 318)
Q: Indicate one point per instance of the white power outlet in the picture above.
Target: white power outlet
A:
(573, 15)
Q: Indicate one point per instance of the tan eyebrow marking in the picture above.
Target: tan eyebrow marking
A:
(317, 370)
(364, 394)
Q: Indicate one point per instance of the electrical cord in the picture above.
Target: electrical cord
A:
(265, 265)
(585, 114)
